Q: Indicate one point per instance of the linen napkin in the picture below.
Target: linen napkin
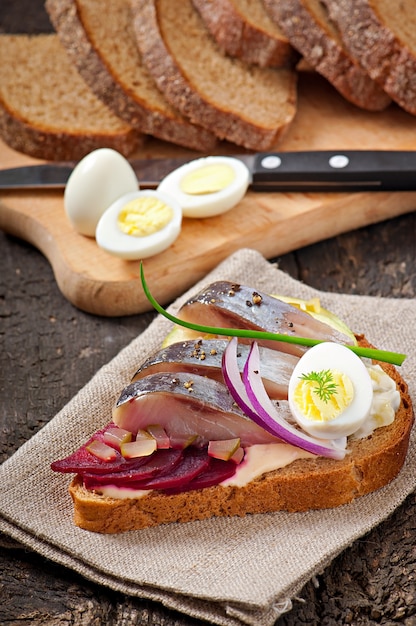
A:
(228, 571)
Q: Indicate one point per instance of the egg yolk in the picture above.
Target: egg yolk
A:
(207, 179)
(324, 396)
(144, 216)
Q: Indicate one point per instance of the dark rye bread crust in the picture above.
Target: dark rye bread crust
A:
(373, 34)
(81, 26)
(222, 94)
(310, 31)
(238, 35)
(303, 485)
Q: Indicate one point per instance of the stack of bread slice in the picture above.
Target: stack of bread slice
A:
(98, 59)
(194, 72)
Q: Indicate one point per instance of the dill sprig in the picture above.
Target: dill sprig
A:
(325, 387)
(380, 355)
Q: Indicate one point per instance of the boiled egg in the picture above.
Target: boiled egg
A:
(207, 186)
(330, 391)
(140, 224)
(99, 179)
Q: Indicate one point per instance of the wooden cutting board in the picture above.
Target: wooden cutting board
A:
(272, 223)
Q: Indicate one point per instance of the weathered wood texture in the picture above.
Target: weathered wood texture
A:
(49, 350)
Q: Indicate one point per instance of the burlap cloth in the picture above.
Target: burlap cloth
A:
(226, 571)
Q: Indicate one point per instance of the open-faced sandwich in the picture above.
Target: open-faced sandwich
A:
(290, 411)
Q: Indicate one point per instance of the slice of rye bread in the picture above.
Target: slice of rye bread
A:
(243, 29)
(380, 34)
(46, 109)
(307, 25)
(305, 484)
(100, 41)
(244, 104)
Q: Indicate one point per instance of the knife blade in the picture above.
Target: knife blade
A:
(319, 170)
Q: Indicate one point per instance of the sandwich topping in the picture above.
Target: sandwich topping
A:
(330, 391)
(206, 412)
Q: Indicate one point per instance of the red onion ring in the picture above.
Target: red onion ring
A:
(251, 396)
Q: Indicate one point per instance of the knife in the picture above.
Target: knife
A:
(321, 170)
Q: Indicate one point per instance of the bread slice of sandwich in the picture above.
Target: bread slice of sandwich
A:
(310, 30)
(47, 110)
(99, 38)
(243, 104)
(218, 426)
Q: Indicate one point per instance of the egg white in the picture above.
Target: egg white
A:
(110, 238)
(208, 204)
(336, 357)
(94, 184)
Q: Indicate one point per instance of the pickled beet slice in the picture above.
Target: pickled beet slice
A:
(83, 461)
(216, 472)
(159, 463)
(194, 462)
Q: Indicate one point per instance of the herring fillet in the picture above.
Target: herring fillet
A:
(185, 406)
(228, 305)
(204, 357)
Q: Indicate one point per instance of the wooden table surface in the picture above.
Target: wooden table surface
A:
(49, 350)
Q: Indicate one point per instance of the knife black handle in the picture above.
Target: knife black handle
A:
(325, 170)
(318, 170)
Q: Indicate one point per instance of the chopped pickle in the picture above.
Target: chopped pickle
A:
(141, 447)
(102, 451)
(223, 449)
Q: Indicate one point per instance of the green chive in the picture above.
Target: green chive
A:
(385, 356)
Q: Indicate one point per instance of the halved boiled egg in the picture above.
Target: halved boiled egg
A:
(330, 391)
(94, 184)
(139, 225)
(207, 186)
